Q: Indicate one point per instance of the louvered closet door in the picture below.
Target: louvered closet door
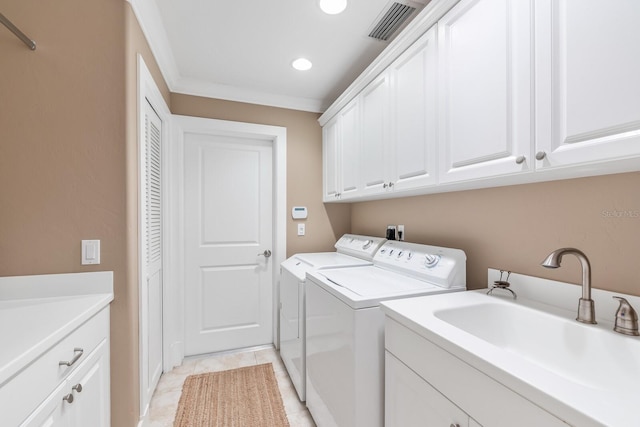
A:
(151, 327)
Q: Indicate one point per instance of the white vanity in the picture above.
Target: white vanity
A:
(54, 363)
(472, 359)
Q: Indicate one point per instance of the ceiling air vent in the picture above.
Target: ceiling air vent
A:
(391, 20)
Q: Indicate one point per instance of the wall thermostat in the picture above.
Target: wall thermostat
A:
(299, 212)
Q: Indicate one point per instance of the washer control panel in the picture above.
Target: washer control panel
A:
(443, 266)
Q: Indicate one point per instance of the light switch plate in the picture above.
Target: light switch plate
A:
(301, 230)
(90, 252)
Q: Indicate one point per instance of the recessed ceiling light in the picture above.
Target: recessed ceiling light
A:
(302, 64)
(332, 7)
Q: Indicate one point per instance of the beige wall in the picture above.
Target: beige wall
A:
(68, 155)
(326, 223)
(515, 228)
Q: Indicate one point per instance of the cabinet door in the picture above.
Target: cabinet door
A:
(413, 114)
(53, 412)
(411, 402)
(485, 89)
(90, 389)
(587, 81)
(349, 150)
(375, 153)
(330, 164)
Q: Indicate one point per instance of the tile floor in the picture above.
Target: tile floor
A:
(165, 399)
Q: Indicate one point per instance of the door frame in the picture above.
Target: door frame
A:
(149, 91)
(174, 310)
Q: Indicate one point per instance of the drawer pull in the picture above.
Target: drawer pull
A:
(77, 387)
(68, 398)
(77, 356)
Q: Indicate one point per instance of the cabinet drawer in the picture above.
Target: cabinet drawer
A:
(33, 384)
(467, 387)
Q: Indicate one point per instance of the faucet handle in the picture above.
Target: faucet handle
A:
(626, 318)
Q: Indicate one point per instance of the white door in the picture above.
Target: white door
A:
(587, 81)
(413, 117)
(485, 89)
(330, 164)
(349, 150)
(228, 225)
(151, 263)
(412, 402)
(375, 136)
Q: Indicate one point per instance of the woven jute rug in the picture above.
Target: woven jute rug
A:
(244, 397)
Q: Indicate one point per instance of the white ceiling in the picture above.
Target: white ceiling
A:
(242, 50)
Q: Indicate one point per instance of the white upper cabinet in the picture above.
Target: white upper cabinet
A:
(413, 105)
(485, 89)
(341, 152)
(399, 122)
(330, 164)
(587, 81)
(375, 159)
(493, 92)
(350, 149)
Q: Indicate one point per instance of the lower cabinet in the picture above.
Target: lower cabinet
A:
(426, 385)
(82, 400)
(411, 402)
(66, 386)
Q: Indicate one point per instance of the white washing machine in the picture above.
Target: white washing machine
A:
(345, 326)
(351, 250)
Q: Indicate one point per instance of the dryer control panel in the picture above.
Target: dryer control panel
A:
(445, 267)
(364, 247)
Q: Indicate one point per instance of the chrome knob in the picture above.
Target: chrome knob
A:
(520, 159)
(390, 184)
(77, 387)
(266, 253)
(540, 155)
(68, 398)
(385, 185)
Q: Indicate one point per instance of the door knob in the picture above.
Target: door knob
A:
(266, 253)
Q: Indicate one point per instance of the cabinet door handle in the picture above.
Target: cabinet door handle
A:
(540, 155)
(68, 398)
(520, 159)
(78, 354)
(77, 387)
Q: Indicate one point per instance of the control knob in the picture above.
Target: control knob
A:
(367, 244)
(431, 260)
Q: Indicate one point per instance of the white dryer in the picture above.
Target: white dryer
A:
(351, 250)
(345, 326)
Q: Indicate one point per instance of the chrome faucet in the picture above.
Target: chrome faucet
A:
(586, 306)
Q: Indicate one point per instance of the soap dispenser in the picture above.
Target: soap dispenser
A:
(626, 318)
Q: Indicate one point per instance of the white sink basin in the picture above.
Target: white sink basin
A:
(581, 353)
(586, 375)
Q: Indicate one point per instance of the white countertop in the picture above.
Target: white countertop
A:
(567, 399)
(36, 312)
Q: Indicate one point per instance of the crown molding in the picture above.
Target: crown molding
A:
(150, 21)
(233, 93)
